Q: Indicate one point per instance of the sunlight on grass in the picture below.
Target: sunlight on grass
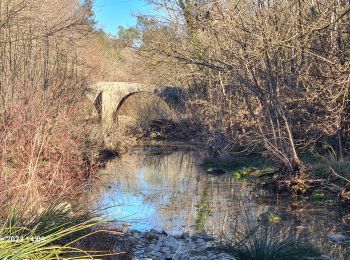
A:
(52, 234)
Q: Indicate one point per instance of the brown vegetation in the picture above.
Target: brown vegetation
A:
(44, 68)
(261, 74)
(264, 76)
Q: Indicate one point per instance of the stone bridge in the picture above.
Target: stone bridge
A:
(108, 97)
(121, 106)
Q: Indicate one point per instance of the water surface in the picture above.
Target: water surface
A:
(165, 188)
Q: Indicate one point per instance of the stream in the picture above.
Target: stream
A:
(164, 188)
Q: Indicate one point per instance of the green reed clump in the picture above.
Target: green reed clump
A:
(49, 235)
(268, 241)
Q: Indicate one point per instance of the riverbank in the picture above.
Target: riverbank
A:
(326, 179)
(156, 245)
(159, 246)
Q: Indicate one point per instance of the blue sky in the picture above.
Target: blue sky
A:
(110, 14)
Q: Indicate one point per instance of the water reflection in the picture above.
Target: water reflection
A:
(167, 190)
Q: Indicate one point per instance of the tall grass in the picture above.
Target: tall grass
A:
(49, 235)
(42, 81)
(266, 240)
(41, 155)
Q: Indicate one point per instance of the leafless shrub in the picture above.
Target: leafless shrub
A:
(44, 69)
(273, 74)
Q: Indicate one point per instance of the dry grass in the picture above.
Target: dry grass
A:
(41, 154)
(44, 67)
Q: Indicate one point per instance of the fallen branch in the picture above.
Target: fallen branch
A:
(339, 176)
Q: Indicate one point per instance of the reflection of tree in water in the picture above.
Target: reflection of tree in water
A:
(174, 184)
(195, 201)
(203, 211)
(186, 198)
(316, 224)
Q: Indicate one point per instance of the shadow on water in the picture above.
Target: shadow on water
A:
(166, 189)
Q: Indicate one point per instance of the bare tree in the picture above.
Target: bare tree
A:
(282, 64)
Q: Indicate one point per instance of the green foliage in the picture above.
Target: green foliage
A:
(50, 235)
(265, 241)
(110, 47)
(263, 247)
(308, 157)
(324, 166)
(127, 36)
(242, 173)
(242, 167)
(274, 218)
(318, 196)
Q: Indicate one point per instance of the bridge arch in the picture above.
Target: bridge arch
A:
(142, 105)
(125, 106)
